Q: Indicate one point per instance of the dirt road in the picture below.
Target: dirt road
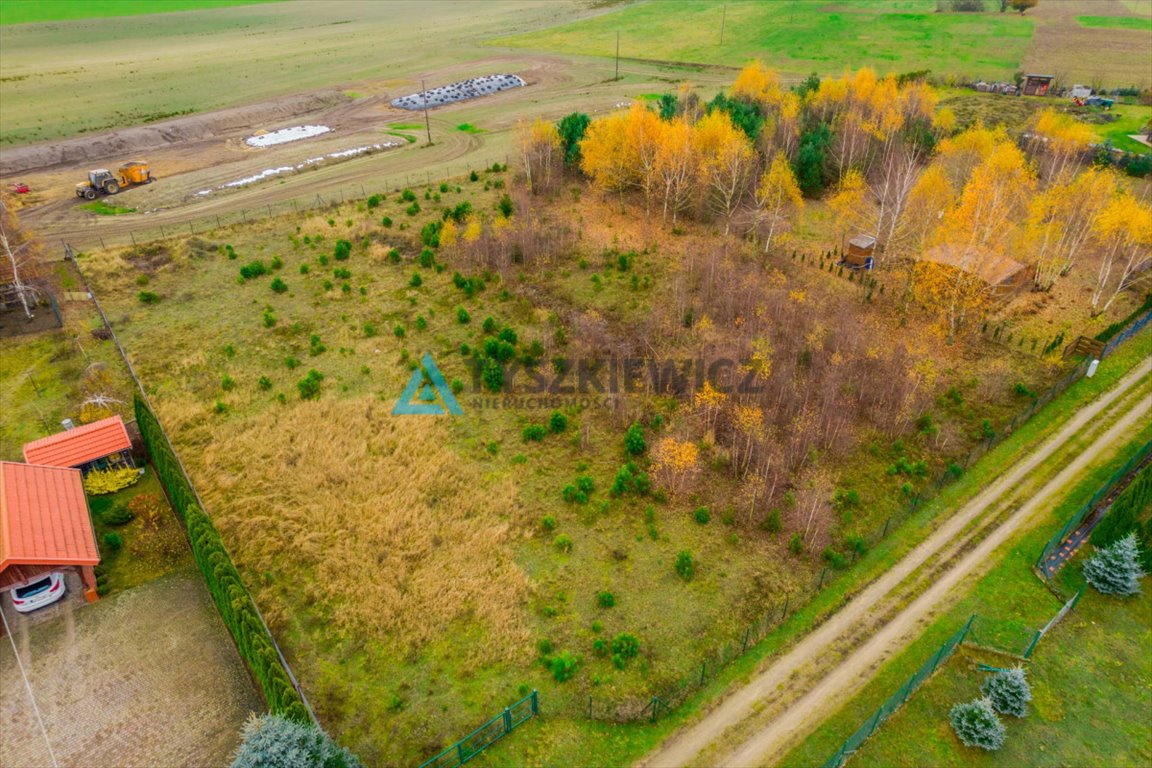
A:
(712, 740)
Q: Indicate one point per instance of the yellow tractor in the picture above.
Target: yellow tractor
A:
(102, 182)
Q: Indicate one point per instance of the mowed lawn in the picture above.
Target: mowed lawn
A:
(33, 11)
(800, 37)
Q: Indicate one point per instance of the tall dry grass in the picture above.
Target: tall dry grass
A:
(367, 518)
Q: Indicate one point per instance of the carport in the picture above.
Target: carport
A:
(45, 525)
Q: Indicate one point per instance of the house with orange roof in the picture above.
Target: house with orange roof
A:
(102, 444)
(45, 525)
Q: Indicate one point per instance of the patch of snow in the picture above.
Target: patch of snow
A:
(284, 135)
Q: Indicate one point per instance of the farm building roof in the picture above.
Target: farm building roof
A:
(44, 519)
(993, 268)
(863, 241)
(74, 447)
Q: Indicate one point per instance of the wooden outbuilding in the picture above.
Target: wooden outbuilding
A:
(1037, 85)
(860, 252)
(1003, 274)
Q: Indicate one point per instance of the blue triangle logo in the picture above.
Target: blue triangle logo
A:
(427, 394)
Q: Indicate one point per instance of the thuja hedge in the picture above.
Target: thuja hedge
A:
(228, 592)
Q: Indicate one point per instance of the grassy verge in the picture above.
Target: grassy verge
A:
(104, 208)
(1116, 22)
(1073, 698)
(34, 11)
(469, 128)
(1130, 119)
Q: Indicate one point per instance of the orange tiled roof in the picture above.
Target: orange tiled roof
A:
(74, 447)
(44, 517)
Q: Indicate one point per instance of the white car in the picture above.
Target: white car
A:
(38, 593)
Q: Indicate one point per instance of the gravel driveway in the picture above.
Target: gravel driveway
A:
(148, 677)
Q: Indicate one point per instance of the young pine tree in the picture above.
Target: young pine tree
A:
(1008, 691)
(1115, 569)
(977, 725)
(272, 741)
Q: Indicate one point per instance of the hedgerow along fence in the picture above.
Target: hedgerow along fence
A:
(488, 734)
(1078, 527)
(254, 642)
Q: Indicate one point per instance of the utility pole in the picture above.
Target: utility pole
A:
(723, 18)
(424, 99)
(617, 54)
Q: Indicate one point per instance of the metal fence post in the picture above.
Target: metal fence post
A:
(589, 707)
(703, 669)
(876, 721)
(787, 599)
(535, 703)
(1031, 645)
(886, 523)
(507, 721)
(745, 646)
(822, 574)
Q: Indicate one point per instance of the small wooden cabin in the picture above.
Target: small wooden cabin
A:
(860, 252)
(1004, 275)
(1037, 85)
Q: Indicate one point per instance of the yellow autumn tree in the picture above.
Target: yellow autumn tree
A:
(726, 163)
(977, 232)
(1057, 139)
(1060, 223)
(1123, 231)
(605, 154)
(448, 234)
(778, 196)
(644, 135)
(675, 462)
(540, 152)
(849, 205)
(759, 85)
(472, 229)
(676, 166)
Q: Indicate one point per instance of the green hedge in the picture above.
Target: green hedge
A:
(1107, 334)
(228, 592)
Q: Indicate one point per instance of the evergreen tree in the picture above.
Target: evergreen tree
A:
(811, 159)
(1115, 569)
(668, 106)
(275, 742)
(977, 725)
(1009, 692)
(571, 129)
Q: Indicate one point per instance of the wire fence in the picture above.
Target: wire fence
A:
(897, 699)
(488, 734)
(1060, 548)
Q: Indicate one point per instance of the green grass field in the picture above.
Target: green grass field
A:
(800, 37)
(36, 11)
(1088, 675)
(1116, 22)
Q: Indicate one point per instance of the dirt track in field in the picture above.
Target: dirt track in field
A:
(203, 152)
(789, 705)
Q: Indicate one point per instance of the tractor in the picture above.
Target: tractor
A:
(102, 182)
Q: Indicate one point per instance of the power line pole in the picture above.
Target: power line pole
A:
(617, 54)
(723, 18)
(424, 99)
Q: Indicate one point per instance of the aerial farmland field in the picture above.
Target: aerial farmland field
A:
(660, 399)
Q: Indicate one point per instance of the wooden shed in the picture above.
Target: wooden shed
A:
(1037, 85)
(1003, 274)
(860, 252)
